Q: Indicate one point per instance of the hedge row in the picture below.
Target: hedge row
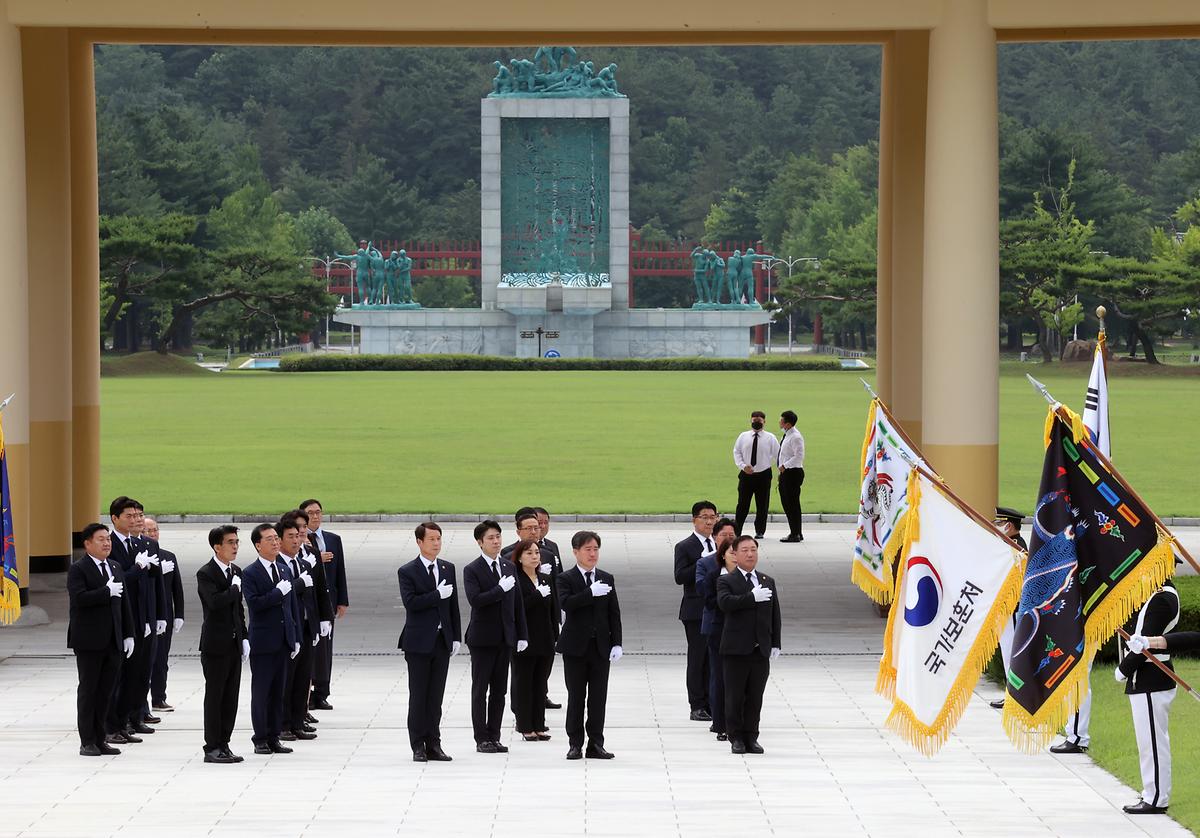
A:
(338, 361)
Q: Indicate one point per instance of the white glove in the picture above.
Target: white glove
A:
(522, 645)
(762, 594)
(444, 590)
(245, 650)
(326, 628)
(454, 647)
(544, 568)
(284, 586)
(236, 582)
(128, 647)
(153, 559)
(776, 653)
(295, 650)
(115, 588)
(544, 590)
(160, 626)
(1138, 643)
(506, 583)
(1119, 675)
(600, 588)
(168, 566)
(615, 654)
(142, 560)
(178, 627)
(306, 579)
(146, 633)
(316, 640)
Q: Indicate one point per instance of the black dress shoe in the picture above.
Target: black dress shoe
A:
(552, 705)
(288, 736)
(792, 539)
(132, 737)
(996, 704)
(139, 728)
(307, 728)
(574, 752)
(543, 737)
(151, 720)
(1068, 748)
(303, 735)
(163, 706)
(311, 719)
(737, 746)
(278, 748)
(89, 750)
(225, 750)
(598, 752)
(753, 747)
(117, 738)
(436, 754)
(320, 705)
(1144, 808)
(500, 747)
(419, 755)
(218, 756)
(262, 749)
(722, 737)
(700, 715)
(485, 747)
(108, 750)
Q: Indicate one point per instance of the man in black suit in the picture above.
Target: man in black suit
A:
(552, 559)
(328, 547)
(497, 627)
(316, 617)
(528, 529)
(750, 641)
(100, 630)
(223, 644)
(432, 634)
(173, 607)
(691, 606)
(274, 637)
(590, 641)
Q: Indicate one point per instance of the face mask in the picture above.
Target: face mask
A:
(757, 425)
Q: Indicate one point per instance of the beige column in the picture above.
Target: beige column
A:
(884, 358)
(960, 297)
(14, 294)
(910, 73)
(85, 290)
(48, 196)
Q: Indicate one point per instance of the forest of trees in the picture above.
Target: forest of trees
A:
(223, 170)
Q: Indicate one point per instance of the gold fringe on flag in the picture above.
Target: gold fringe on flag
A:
(885, 681)
(879, 590)
(10, 601)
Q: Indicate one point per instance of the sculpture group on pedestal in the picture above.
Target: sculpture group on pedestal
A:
(714, 275)
(381, 283)
(553, 72)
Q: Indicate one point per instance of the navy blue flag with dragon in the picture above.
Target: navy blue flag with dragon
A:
(1097, 553)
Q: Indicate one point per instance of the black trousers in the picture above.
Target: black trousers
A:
(295, 689)
(426, 688)
(530, 686)
(790, 482)
(489, 689)
(716, 681)
(323, 665)
(587, 685)
(97, 675)
(222, 685)
(745, 682)
(268, 676)
(757, 486)
(697, 666)
(135, 680)
(158, 668)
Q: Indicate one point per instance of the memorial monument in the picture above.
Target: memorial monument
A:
(554, 192)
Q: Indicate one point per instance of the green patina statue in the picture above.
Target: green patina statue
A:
(554, 72)
(404, 279)
(746, 285)
(362, 271)
(735, 277)
(699, 271)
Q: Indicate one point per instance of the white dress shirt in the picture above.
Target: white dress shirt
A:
(102, 566)
(705, 549)
(768, 449)
(267, 567)
(320, 538)
(791, 450)
(437, 577)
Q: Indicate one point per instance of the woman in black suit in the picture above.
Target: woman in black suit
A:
(531, 668)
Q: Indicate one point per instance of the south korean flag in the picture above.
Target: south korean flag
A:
(1095, 405)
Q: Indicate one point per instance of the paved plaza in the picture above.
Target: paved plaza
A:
(830, 767)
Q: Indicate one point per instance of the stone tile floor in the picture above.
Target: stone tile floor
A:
(830, 767)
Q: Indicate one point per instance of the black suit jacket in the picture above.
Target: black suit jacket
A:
(141, 586)
(425, 610)
(309, 598)
(274, 618)
(748, 623)
(497, 616)
(335, 569)
(541, 615)
(687, 553)
(172, 588)
(588, 617)
(320, 575)
(224, 626)
(98, 620)
(1157, 616)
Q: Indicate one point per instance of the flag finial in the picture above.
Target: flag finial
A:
(1101, 311)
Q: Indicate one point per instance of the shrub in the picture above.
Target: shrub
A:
(338, 362)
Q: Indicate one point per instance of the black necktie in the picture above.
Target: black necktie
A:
(296, 568)
(432, 577)
(274, 573)
(104, 571)
(750, 579)
(588, 576)
(229, 575)
(754, 451)
(707, 546)
(496, 570)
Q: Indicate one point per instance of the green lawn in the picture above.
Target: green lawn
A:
(572, 441)
(1113, 745)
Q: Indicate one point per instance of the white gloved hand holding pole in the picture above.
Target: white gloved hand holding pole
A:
(1137, 643)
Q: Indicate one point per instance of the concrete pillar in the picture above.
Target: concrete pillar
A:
(85, 290)
(909, 69)
(960, 295)
(14, 294)
(48, 196)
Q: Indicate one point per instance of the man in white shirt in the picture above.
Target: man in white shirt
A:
(791, 474)
(753, 453)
